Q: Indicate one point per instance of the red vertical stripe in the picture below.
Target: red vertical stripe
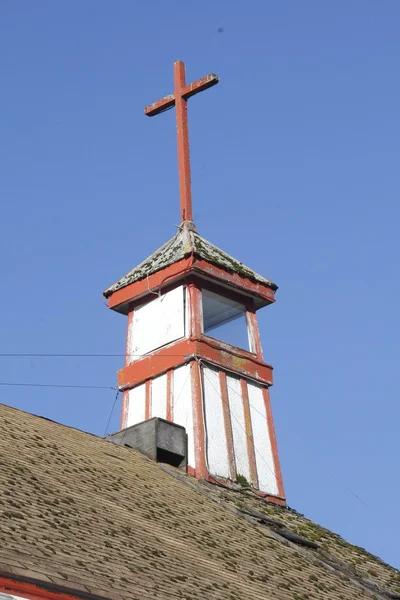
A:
(198, 422)
(147, 409)
(274, 445)
(195, 311)
(227, 424)
(249, 434)
(170, 395)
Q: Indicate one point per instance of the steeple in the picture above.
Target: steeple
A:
(183, 362)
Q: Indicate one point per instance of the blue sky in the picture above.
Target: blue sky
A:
(295, 172)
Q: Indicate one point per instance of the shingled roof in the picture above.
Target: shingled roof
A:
(185, 243)
(82, 513)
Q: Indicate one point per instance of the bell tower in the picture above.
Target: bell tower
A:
(193, 348)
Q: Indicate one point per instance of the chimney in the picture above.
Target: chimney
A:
(160, 440)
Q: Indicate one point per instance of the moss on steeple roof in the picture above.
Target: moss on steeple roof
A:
(187, 242)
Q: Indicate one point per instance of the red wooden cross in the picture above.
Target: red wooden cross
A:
(179, 98)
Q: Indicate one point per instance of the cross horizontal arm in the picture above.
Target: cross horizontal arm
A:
(190, 90)
(160, 106)
(200, 85)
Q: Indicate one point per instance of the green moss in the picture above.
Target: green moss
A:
(181, 245)
(241, 480)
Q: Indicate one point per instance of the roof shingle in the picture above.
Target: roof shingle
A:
(84, 513)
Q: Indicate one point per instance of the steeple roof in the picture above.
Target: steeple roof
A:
(187, 242)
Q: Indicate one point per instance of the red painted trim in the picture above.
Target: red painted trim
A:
(234, 359)
(153, 282)
(180, 269)
(274, 445)
(254, 333)
(191, 471)
(238, 281)
(249, 434)
(198, 421)
(227, 424)
(147, 408)
(156, 363)
(195, 311)
(226, 292)
(275, 500)
(170, 395)
(217, 344)
(176, 354)
(37, 590)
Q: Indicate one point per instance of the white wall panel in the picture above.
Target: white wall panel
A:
(129, 357)
(217, 453)
(262, 443)
(238, 426)
(157, 323)
(136, 404)
(159, 397)
(182, 407)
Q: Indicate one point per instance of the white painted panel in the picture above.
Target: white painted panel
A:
(238, 426)
(136, 404)
(217, 453)
(159, 397)
(262, 443)
(182, 407)
(157, 323)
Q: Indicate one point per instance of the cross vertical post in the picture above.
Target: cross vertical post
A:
(179, 98)
(182, 133)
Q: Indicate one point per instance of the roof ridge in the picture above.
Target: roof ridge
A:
(41, 417)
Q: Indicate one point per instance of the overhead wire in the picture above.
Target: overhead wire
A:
(180, 393)
(104, 387)
(58, 385)
(68, 355)
(111, 412)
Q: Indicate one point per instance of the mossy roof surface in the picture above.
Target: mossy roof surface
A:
(187, 242)
(80, 512)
